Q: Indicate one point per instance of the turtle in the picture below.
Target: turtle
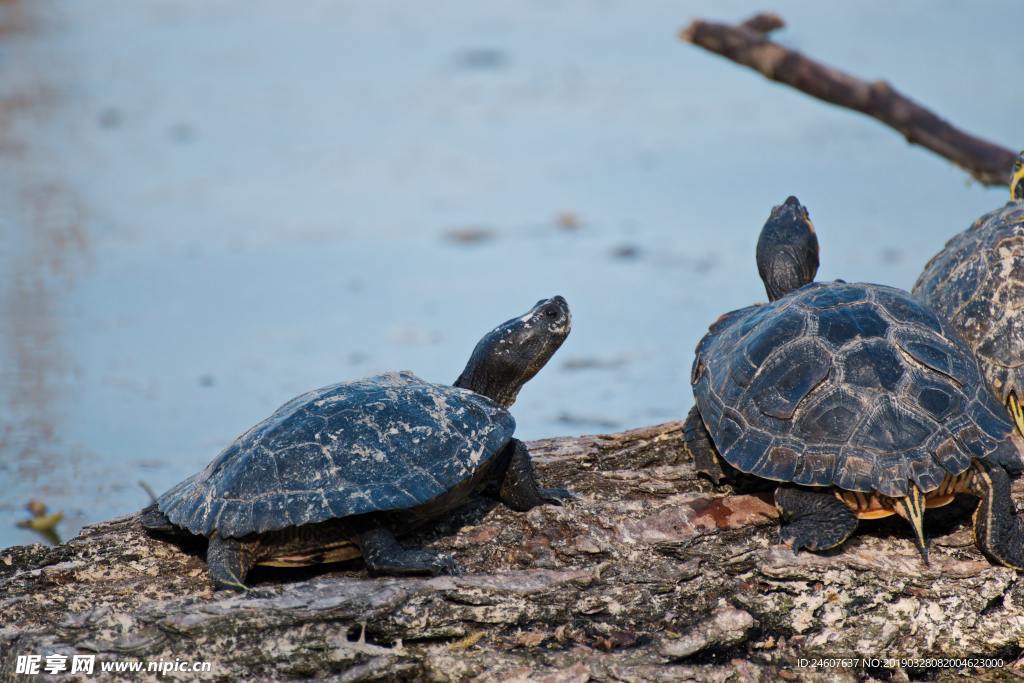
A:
(341, 471)
(977, 283)
(855, 399)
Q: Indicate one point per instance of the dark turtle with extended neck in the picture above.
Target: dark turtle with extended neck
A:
(977, 283)
(338, 472)
(856, 398)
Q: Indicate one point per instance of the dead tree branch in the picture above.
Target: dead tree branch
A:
(748, 44)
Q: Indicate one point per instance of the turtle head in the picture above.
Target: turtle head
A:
(787, 251)
(1017, 179)
(512, 353)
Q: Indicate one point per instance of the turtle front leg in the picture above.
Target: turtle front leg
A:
(997, 529)
(151, 518)
(519, 489)
(229, 561)
(383, 555)
(705, 457)
(815, 520)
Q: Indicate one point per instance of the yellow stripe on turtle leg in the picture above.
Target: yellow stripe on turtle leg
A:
(911, 508)
(1016, 411)
(982, 487)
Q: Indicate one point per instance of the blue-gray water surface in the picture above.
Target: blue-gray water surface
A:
(208, 208)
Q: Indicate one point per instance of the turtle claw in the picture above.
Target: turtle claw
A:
(385, 557)
(229, 583)
(444, 564)
(417, 562)
(447, 566)
(794, 542)
(557, 496)
(432, 562)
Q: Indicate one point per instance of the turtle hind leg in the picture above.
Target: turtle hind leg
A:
(518, 487)
(997, 529)
(705, 458)
(229, 561)
(384, 556)
(815, 520)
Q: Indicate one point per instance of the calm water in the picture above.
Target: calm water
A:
(207, 208)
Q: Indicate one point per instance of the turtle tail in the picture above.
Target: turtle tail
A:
(911, 508)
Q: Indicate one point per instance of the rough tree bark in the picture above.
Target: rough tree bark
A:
(748, 44)
(653, 574)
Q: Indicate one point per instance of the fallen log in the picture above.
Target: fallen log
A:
(749, 45)
(652, 574)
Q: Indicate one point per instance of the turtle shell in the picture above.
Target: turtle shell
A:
(390, 442)
(857, 386)
(977, 282)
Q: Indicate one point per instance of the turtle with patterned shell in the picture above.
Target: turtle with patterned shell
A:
(977, 283)
(339, 472)
(858, 400)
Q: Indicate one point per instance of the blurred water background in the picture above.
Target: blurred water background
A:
(207, 208)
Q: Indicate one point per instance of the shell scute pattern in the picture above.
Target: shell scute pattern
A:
(839, 294)
(874, 364)
(841, 324)
(389, 442)
(907, 311)
(784, 380)
(977, 282)
(938, 400)
(853, 385)
(937, 354)
(811, 465)
(724, 320)
(788, 326)
(832, 417)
